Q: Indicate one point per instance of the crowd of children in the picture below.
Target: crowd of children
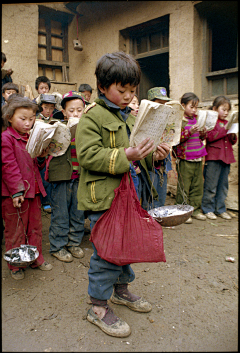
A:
(81, 182)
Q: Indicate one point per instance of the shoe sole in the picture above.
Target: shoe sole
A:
(129, 305)
(61, 259)
(107, 330)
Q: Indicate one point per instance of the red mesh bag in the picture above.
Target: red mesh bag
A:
(126, 233)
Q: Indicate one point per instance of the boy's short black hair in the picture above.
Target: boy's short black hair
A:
(40, 79)
(4, 59)
(117, 67)
(85, 87)
(10, 85)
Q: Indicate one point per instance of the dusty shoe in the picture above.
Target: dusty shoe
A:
(211, 215)
(19, 274)
(76, 251)
(189, 220)
(47, 208)
(140, 305)
(45, 266)
(63, 255)
(110, 323)
(225, 215)
(200, 216)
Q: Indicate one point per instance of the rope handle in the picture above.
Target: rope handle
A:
(19, 217)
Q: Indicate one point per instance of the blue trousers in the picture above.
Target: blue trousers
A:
(161, 189)
(47, 186)
(67, 222)
(215, 186)
(103, 274)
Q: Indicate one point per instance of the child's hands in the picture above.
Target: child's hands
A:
(17, 201)
(45, 152)
(162, 151)
(141, 151)
(9, 72)
(202, 132)
(194, 129)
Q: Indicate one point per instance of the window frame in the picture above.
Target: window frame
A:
(48, 14)
(207, 75)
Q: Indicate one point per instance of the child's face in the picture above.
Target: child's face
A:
(190, 108)
(2, 63)
(48, 109)
(22, 120)
(222, 110)
(134, 105)
(73, 109)
(43, 88)
(118, 94)
(161, 101)
(8, 93)
(87, 95)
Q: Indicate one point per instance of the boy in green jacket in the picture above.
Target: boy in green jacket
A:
(103, 152)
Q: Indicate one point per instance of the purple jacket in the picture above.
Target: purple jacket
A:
(18, 167)
(219, 144)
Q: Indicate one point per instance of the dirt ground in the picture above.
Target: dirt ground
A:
(194, 296)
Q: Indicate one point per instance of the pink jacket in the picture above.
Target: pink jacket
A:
(219, 144)
(18, 168)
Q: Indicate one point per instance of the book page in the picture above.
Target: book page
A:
(233, 129)
(172, 131)
(207, 119)
(233, 118)
(57, 136)
(151, 121)
(72, 125)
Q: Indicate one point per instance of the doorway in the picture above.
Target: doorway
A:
(155, 73)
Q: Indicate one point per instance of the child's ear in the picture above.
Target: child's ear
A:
(64, 113)
(214, 108)
(101, 89)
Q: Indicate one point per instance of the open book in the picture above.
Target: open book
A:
(160, 122)
(207, 118)
(55, 135)
(232, 119)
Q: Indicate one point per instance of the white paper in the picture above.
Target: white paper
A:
(152, 121)
(233, 129)
(207, 118)
(57, 136)
(72, 125)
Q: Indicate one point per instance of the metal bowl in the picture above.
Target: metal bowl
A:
(172, 215)
(8, 256)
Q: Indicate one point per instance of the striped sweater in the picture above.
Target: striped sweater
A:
(190, 146)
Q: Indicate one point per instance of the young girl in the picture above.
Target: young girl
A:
(217, 162)
(134, 104)
(190, 152)
(21, 183)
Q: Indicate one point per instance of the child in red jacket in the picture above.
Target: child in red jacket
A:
(217, 162)
(21, 183)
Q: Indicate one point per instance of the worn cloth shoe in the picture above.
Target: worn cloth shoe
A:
(225, 215)
(211, 215)
(200, 216)
(45, 266)
(76, 251)
(188, 221)
(122, 296)
(19, 274)
(110, 323)
(63, 255)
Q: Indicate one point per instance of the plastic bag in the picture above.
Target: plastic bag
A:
(126, 233)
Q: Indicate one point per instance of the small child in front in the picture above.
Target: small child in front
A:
(21, 183)
(67, 222)
(217, 162)
(102, 143)
(190, 152)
